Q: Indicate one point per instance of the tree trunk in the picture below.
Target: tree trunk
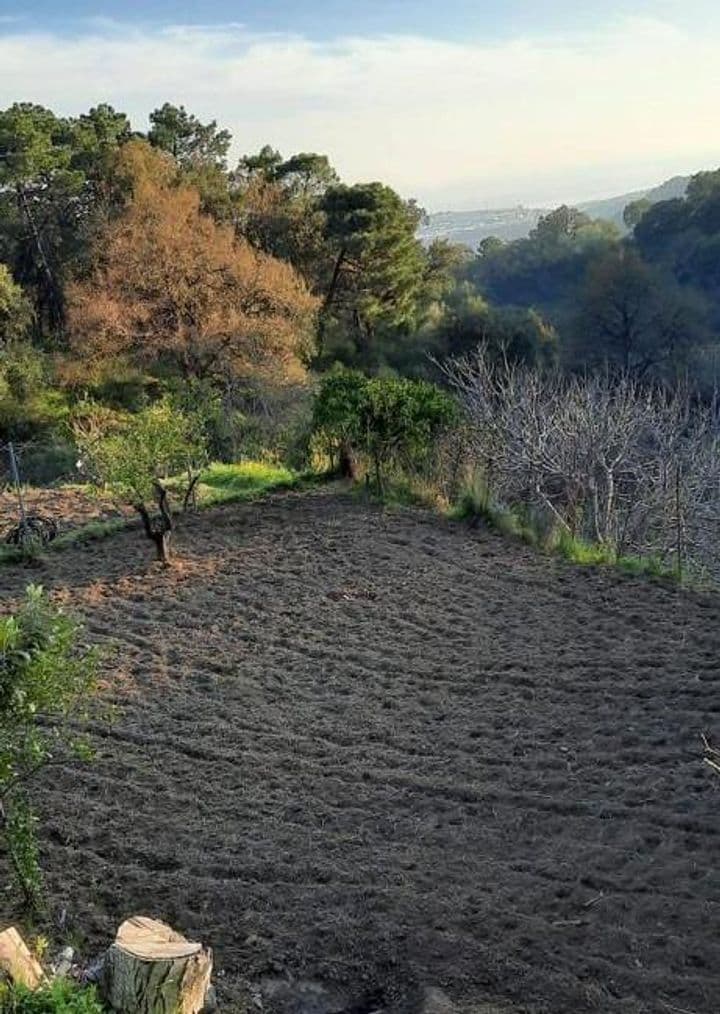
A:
(55, 306)
(17, 962)
(346, 465)
(158, 530)
(151, 969)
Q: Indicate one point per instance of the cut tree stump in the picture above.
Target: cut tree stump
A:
(151, 969)
(16, 961)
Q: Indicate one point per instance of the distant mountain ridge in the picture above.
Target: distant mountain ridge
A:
(470, 227)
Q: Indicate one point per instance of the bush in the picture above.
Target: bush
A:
(46, 676)
(42, 464)
(389, 421)
(138, 453)
(61, 997)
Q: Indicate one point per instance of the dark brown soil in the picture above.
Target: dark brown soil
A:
(378, 751)
(67, 506)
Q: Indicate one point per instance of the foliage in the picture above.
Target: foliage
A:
(189, 141)
(388, 420)
(46, 675)
(136, 452)
(683, 237)
(466, 320)
(171, 286)
(634, 319)
(61, 997)
(338, 410)
(15, 310)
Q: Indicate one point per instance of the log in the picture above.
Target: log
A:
(151, 969)
(16, 961)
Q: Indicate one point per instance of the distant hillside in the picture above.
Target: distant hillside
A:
(470, 227)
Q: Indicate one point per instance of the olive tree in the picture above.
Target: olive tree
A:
(137, 457)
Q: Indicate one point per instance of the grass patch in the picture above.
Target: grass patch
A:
(475, 504)
(61, 997)
(221, 483)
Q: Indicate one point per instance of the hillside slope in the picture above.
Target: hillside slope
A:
(382, 751)
(470, 227)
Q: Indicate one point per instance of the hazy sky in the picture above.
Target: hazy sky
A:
(460, 103)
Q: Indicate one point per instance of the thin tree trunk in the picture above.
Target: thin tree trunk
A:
(158, 530)
(52, 287)
(329, 297)
(346, 464)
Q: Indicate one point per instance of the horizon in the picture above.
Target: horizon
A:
(465, 108)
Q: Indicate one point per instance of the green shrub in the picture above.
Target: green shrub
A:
(390, 421)
(45, 463)
(46, 676)
(61, 997)
(137, 454)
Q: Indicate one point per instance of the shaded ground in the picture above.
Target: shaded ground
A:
(381, 751)
(69, 506)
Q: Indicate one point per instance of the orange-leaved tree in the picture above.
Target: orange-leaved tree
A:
(169, 286)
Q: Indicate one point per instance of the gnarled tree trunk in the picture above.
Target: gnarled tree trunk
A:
(159, 529)
(151, 969)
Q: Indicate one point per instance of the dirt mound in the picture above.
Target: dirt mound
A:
(379, 752)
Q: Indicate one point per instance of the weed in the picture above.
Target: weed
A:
(60, 997)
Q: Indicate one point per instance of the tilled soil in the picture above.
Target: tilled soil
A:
(68, 507)
(378, 751)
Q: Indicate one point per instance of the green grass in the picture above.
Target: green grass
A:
(475, 505)
(222, 483)
(61, 997)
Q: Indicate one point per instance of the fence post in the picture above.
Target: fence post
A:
(14, 471)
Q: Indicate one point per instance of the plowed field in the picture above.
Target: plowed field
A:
(381, 751)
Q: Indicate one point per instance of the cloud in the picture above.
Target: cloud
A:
(448, 122)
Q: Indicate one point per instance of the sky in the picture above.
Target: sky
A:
(458, 103)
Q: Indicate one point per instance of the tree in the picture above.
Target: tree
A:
(337, 417)
(634, 318)
(15, 312)
(262, 165)
(563, 221)
(135, 458)
(377, 271)
(35, 157)
(189, 141)
(305, 176)
(46, 675)
(389, 421)
(170, 286)
(278, 207)
(635, 211)
(52, 182)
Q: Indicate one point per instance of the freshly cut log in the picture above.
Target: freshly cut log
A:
(16, 961)
(151, 969)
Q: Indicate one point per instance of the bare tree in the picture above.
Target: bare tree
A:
(631, 466)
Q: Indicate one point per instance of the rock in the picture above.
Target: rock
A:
(436, 1002)
(64, 962)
